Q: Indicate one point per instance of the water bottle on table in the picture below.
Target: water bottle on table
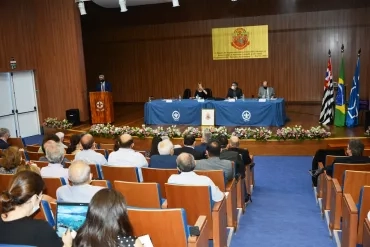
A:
(179, 97)
(243, 97)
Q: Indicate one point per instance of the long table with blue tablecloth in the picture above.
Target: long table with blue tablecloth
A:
(247, 112)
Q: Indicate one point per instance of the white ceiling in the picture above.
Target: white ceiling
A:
(115, 4)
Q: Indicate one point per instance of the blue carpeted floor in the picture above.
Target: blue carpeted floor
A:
(284, 211)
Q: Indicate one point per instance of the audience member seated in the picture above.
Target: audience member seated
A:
(234, 146)
(214, 162)
(232, 156)
(61, 138)
(154, 149)
(11, 159)
(189, 143)
(126, 156)
(165, 159)
(34, 168)
(354, 152)
(55, 156)
(4, 136)
(106, 224)
(186, 165)
(206, 138)
(80, 191)
(88, 153)
(49, 139)
(20, 201)
(74, 144)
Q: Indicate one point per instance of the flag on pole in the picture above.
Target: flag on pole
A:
(354, 97)
(340, 105)
(326, 115)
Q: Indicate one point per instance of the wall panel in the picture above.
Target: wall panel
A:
(161, 60)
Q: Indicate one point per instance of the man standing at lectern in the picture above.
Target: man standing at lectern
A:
(103, 85)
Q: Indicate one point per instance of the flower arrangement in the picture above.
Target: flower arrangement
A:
(193, 131)
(291, 133)
(57, 124)
(219, 131)
(173, 132)
(367, 132)
(243, 133)
(262, 134)
(317, 133)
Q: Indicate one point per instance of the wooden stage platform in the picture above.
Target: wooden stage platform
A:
(299, 114)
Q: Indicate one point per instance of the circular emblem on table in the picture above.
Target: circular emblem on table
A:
(246, 115)
(176, 115)
(99, 105)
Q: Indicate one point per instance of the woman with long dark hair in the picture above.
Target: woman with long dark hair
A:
(154, 149)
(20, 201)
(74, 146)
(107, 223)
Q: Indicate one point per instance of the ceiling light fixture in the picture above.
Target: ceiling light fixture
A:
(122, 4)
(175, 3)
(81, 6)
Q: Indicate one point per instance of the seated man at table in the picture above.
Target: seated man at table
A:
(200, 92)
(189, 143)
(265, 92)
(234, 91)
(165, 159)
(214, 162)
(354, 152)
(185, 165)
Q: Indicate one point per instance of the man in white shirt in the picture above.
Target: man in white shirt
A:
(88, 154)
(80, 191)
(55, 156)
(126, 156)
(186, 164)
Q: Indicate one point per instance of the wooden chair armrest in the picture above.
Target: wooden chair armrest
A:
(352, 205)
(230, 185)
(217, 206)
(321, 165)
(164, 204)
(337, 187)
(202, 224)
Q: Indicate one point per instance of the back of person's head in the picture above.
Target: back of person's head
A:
(206, 136)
(106, 219)
(222, 139)
(213, 149)
(125, 141)
(79, 172)
(356, 147)
(73, 142)
(154, 149)
(4, 133)
(165, 147)
(189, 140)
(87, 141)
(60, 135)
(234, 141)
(28, 167)
(51, 137)
(25, 187)
(185, 162)
(11, 158)
(55, 153)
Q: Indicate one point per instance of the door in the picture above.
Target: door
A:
(7, 112)
(25, 103)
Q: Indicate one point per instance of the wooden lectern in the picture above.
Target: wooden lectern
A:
(101, 105)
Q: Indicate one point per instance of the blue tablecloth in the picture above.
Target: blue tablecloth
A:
(249, 112)
(187, 112)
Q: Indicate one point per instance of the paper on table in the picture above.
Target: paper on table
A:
(146, 241)
(168, 100)
(261, 100)
(226, 194)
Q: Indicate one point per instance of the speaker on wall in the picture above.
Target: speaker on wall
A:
(73, 116)
(367, 120)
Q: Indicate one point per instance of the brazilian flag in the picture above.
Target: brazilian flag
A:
(340, 105)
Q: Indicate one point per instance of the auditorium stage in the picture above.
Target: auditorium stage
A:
(306, 115)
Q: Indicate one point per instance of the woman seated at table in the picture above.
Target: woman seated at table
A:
(200, 92)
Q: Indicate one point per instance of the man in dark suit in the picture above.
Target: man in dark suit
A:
(189, 143)
(4, 135)
(354, 152)
(234, 146)
(232, 156)
(165, 159)
(234, 91)
(206, 138)
(103, 85)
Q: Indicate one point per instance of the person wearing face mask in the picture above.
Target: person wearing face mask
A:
(234, 91)
(266, 92)
(17, 204)
(200, 92)
(103, 85)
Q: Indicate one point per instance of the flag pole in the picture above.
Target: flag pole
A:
(359, 53)
(329, 53)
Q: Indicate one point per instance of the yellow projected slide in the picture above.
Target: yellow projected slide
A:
(240, 42)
